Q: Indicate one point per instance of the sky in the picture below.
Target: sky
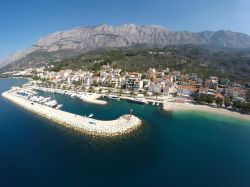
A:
(23, 22)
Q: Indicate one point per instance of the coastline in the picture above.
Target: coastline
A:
(123, 125)
(178, 107)
(167, 105)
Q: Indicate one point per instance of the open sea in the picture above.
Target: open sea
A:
(171, 149)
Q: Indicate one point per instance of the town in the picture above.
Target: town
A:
(155, 85)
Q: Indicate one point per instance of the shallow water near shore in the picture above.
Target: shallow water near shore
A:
(171, 149)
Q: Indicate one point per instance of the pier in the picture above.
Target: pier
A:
(123, 125)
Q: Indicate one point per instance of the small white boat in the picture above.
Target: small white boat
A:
(54, 104)
(73, 95)
(90, 115)
(59, 106)
(112, 97)
(39, 99)
(45, 100)
(153, 103)
(139, 100)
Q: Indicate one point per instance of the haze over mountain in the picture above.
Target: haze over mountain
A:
(60, 45)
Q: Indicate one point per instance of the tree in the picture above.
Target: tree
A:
(218, 102)
(35, 77)
(95, 83)
(100, 90)
(248, 95)
(209, 100)
(236, 105)
(132, 94)
(227, 103)
(156, 95)
(145, 93)
(197, 99)
(91, 89)
(120, 92)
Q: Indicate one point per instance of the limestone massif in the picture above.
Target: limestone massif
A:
(59, 45)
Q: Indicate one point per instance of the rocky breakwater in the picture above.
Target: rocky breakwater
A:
(120, 126)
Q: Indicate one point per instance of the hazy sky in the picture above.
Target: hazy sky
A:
(24, 21)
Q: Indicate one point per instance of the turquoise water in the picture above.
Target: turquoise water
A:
(171, 149)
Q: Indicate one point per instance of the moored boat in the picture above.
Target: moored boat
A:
(139, 100)
(112, 97)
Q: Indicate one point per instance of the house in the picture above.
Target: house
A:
(186, 90)
(133, 83)
(218, 95)
(238, 93)
(146, 83)
(212, 84)
(224, 82)
(167, 78)
(155, 88)
(192, 77)
(214, 78)
(151, 73)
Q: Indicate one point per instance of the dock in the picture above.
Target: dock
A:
(123, 125)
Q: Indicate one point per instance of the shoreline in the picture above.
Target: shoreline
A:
(123, 125)
(171, 106)
(186, 107)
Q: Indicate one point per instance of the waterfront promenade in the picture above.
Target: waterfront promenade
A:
(120, 126)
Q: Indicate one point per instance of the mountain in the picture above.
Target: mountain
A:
(60, 45)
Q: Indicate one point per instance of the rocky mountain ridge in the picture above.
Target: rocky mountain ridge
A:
(60, 45)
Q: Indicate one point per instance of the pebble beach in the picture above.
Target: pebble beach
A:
(175, 107)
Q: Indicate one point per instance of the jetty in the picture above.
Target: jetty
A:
(123, 125)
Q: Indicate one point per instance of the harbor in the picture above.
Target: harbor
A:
(164, 139)
(83, 96)
(122, 125)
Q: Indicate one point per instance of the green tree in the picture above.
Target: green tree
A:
(227, 103)
(248, 95)
(236, 105)
(120, 92)
(218, 102)
(91, 89)
(145, 93)
(156, 95)
(95, 83)
(132, 94)
(209, 99)
(100, 90)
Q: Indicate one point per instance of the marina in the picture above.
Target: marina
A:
(32, 96)
(124, 124)
(83, 96)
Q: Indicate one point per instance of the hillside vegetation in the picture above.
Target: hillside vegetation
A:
(200, 59)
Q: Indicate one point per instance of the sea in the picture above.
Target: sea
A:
(170, 149)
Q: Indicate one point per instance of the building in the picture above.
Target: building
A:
(133, 83)
(186, 90)
(155, 88)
